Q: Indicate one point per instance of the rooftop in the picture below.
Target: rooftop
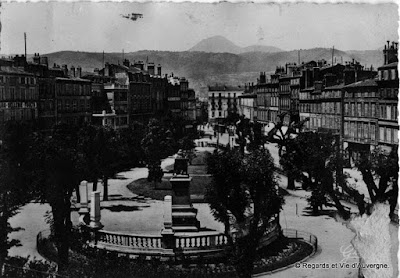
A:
(364, 83)
(335, 87)
(391, 65)
(73, 79)
(13, 70)
(225, 88)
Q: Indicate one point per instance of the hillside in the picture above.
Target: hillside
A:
(203, 68)
(261, 48)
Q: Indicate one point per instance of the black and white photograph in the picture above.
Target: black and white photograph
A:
(216, 140)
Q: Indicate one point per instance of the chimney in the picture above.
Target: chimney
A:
(151, 68)
(65, 70)
(391, 54)
(79, 72)
(139, 65)
(159, 70)
(73, 71)
(44, 61)
(126, 63)
(107, 69)
(36, 58)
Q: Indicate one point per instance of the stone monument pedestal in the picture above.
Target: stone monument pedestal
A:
(184, 215)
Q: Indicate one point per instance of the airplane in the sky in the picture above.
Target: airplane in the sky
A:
(132, 16)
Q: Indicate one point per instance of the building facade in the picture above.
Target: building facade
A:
(223, 100)
(19, 94)
(388, 90)
(360, 117)
(267, 91)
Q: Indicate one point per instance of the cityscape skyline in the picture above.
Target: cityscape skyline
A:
(178, 27)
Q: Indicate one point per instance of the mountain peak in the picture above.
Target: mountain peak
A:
(216, 44)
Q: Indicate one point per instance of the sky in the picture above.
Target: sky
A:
(87, 26)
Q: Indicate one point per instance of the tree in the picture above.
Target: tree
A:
(312, 157)
(15, 178)
(58, 173)
(243, 195)
(283, 135)
(108, 156)
(157, 144)
(187, 145)
(100, 155)
(89, 146)
(130, 151)
(380, 173)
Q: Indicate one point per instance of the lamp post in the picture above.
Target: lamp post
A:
(231, 133)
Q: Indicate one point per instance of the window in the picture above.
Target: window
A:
(213, 114)
(23, 94)
(373, 110)
(359, 109)
(12, 93)
(393, 74)
(359, 131)
(366, 134)
(382, 134)
(389, 138)
(346, 109)
(372, 132)
(366, 110)
(388, 112)
(386, 75)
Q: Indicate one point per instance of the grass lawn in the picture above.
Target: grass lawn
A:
(147, 189)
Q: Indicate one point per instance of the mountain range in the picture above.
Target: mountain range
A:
(208, 68)
(220, 44)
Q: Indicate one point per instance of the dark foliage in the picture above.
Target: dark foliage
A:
(244, 196)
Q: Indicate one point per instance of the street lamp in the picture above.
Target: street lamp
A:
(231, 133)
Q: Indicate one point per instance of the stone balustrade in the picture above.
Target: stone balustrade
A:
(212, 241)
(143, 242)
(207, 244)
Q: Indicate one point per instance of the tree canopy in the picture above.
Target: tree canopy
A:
(243, 195)
(16, 186)
(380, 172)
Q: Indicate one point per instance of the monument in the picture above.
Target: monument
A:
(184, 215)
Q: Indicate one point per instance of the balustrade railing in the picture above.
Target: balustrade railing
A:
(215, 241)
(146, 242)
(212, 242)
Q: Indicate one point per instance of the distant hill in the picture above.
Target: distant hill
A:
(202, 68)
(220, 44)
(261, 48)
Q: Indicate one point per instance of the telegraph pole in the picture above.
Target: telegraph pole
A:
(25, 44)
